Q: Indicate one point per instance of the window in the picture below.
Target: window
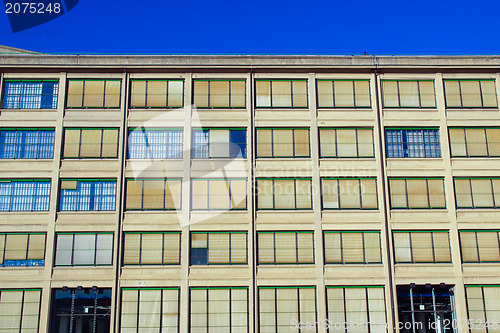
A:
(475, 142)
(84, 249)
(417, 193)
(153, 194)
(477, 192)
(352, 247)
(421, 246)
(343, 93)
(81, 310)
(281, 93)
(414, 142)
(154, 143)
(150, 310)
(218, 309)
(219, 194)
(87, 194)
(283, 142)
(218, 248)
(408, 94)
(346, 142)
(152, 248)
(480, 246)
(470, 93)
(24, 195)
(20, 310)
(220, 143)
(482, 307)
(93, 93)
(281, 307)
(356, 309)
(156, 93)
(286, 247)
(228, 94)
(22, 249)
(284, 193)
(90, 143)
(349, 193)
(30, 94)
(19, 143)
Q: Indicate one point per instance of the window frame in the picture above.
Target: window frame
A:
(412, 261)
(293, 143)
(21, 314)
(354, 94)
(406, 193)
(460, 94)
(35, 196)
(273, 179)
(196, 146)
(493, 197)
(344, 262)
(95, 249)
(40, 262)
(20, 96)
(478, 323)
(321, 155)
(359, 179)
(208, 263)
(149, 148)
(399, 94)
(165, 190)
(163, 263)
(229, 96)
(102, 143)
(167, 106)
(296, 245)
(466, 143)
(229, 197)
(39, 146)
(425, 146)
(92, 196)
(477, 246)
(271, 94)
(105, 80)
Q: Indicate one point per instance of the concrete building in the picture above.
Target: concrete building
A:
(249, 194)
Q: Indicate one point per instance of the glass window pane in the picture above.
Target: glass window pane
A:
(408, 94)
(452, 94)
(344, 93)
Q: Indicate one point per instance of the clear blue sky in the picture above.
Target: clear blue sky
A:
(267, 27)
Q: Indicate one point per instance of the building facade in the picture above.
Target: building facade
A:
(249, 194)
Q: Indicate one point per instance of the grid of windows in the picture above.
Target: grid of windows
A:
(346, 142)
(154, 143)
(84, 249)
(482, 308)
(480, 246)
(281, 93)
(417, 193)
(24, 195)
(284, 193)
(150, 310)
(22, 249)
(408, 94)
(219, 143)
(90, 143)
(218, 309)
(218, 248)
(93, 93)
(153, 194)
(87, 195)
(219, 93)
(475, 142)
(152, 248)
(156, 93)
(19, 143)
(477, 192)
(283, 142)
(20, 310)
(470, 93)
(285, 247)
(219, 194)
(30, 94)
(362, 308)
(352, 247)
(343, 93)
(421, 246)
(412, 142)
(349, 193)
(280, 307)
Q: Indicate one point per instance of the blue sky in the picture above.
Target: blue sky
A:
(267, 27)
